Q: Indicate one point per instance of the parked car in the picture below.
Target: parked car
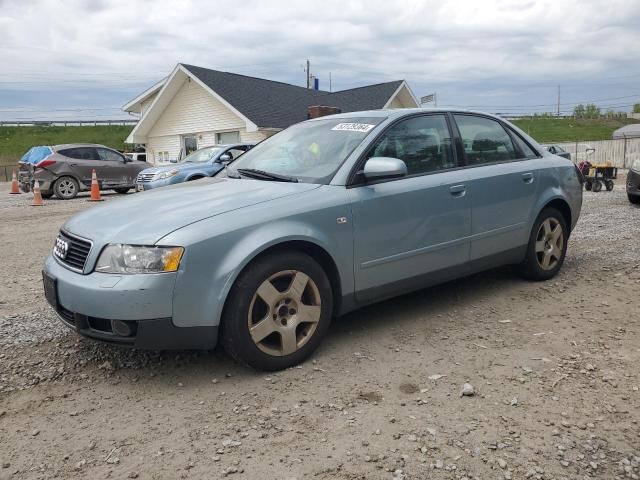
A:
(633, 183)
(204, 162)
(326, 216)
(65, 170)
(558, 150)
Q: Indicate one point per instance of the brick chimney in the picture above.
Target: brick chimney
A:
(321, 111)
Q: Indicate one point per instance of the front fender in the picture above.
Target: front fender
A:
(219, 248)
(559, 183)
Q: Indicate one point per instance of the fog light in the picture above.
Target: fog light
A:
(122, 328)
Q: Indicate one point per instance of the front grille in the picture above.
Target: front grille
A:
(71, 250)
(145, 177)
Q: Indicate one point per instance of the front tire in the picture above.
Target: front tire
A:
(635, 199)
(66, 188)
(547, 246)
(278, 311)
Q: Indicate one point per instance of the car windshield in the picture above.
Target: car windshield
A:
(202, 155)
(308, 152)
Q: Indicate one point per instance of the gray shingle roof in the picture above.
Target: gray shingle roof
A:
(271, 104)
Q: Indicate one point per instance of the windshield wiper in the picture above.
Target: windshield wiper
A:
(262, 175)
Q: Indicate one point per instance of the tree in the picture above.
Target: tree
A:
(636, 108)
(578, 111)
(592, 111)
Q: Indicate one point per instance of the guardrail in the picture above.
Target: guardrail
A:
(65, 123)
(6, 170)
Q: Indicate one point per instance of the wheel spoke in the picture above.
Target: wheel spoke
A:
(556, 232)
(298, 284)
(262, 329)
(547, 227)
(546, 260)
(556, 252)
(289, 340)
(540, 246)
(268, 293)
(308, 314)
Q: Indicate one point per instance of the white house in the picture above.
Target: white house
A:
(196, 107)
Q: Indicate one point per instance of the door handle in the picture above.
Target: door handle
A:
(458, 190)
(527, 177)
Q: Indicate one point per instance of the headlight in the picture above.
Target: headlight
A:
(163, 175)
(119, 258)
(636, 165)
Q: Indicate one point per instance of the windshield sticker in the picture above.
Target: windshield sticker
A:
(354, 127)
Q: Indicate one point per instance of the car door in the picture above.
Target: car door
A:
(502, 187)
(82, 162)
(413, 230)
(117, 171)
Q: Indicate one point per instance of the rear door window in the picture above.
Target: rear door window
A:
(81, 153)
(484, 140)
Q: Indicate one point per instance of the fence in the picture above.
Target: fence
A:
(6, 170)
(65, 123)
(620, 152)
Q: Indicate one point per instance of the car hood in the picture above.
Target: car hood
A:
(177, 166)
(144, 218)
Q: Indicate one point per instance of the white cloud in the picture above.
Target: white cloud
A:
(468, 50)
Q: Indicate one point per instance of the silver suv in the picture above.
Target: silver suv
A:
(65, 170)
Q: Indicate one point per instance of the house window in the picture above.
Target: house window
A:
(226, 138)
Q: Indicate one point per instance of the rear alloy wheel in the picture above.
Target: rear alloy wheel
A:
(65, 188)
(547, 246)
(278, 311)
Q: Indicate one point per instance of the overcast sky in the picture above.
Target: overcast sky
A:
(58, 59)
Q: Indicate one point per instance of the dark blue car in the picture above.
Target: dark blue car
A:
(205, 162)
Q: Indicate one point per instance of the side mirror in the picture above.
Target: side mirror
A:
(224, 158)
(377, 168)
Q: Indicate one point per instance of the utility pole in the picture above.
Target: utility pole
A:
(330, 82)
(558, 113)
(308, 74)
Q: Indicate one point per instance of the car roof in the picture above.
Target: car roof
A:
(398, 112)
(77, 145)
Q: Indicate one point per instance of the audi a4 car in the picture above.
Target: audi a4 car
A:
(65, 170)
(204, 162)
(324, 217)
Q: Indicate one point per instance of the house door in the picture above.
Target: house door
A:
(189, 144)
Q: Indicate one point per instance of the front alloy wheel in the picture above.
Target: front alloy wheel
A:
(278, 311)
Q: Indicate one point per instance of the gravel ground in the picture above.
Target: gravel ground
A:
(552, 370)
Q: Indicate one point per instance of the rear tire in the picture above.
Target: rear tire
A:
(66, 188)
(547, 246)
(278, 311)
(608, 184)
(588, 186)
(122, 191)
(46, 195)
(635, 199)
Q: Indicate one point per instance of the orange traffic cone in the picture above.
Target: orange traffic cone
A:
(95, 188)
(37, 196)
(14, 183)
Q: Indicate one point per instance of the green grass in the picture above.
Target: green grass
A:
(554, 130)
(15, 141)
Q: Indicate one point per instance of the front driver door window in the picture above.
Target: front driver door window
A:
(115, 171)
(407, 228)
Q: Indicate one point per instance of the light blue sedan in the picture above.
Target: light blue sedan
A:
(204, 162)
(326, 216)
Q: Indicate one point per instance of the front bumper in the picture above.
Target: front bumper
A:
(633, 183)
(143, 186)
(131, 310)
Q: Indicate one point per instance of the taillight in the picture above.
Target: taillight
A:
(45, 163)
